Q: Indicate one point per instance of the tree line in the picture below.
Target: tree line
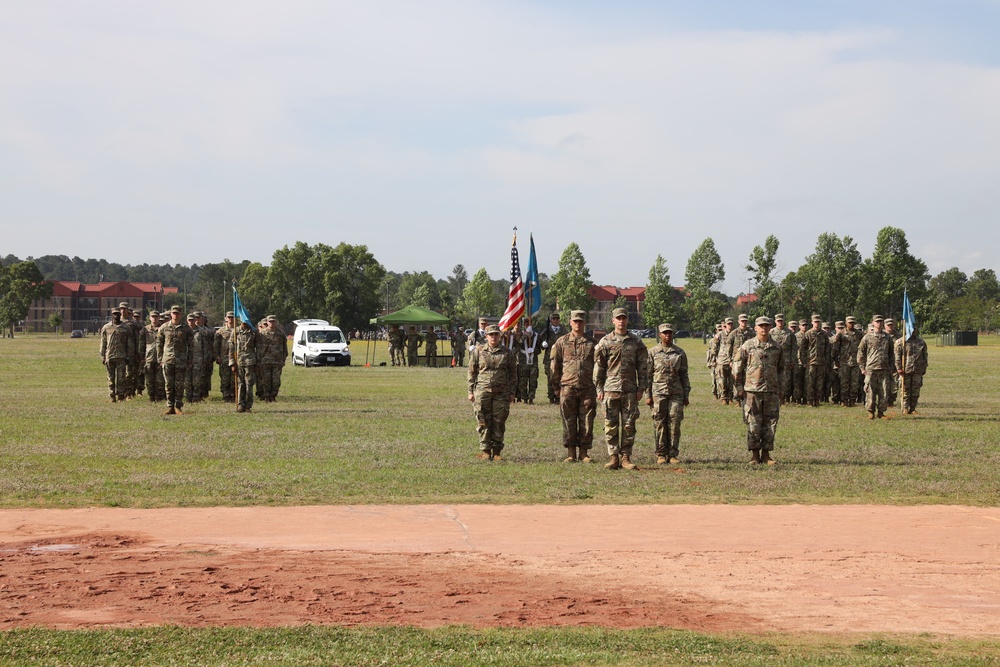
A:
(348, 285)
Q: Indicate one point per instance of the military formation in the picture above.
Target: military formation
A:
(174, 360)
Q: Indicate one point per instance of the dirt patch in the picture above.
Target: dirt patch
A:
(837, 569)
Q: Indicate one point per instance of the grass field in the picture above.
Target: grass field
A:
(398, 435)
(386, 435)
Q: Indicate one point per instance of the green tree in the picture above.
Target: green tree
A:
(889, 271)
(762, 266)
(20, 284)
(658, 306)
(214, 288)
(983, 285)
(254, 291)
(830, 279)
(295, 282)
(570, 283)
(704, 270)
(479, 297)
(353, 281)
(55, 321)
(948, 284)
(408, 284)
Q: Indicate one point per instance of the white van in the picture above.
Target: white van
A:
(317, 343)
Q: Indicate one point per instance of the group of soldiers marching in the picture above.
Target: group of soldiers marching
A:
(841, 365)
(174, 360)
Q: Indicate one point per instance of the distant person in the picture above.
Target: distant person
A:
(572, 371)
(458, 343)
(553, 332)
(173, 352)
(413, 343)
(220, 350)
(431, 348)
(478, 336)
(151, 366)
(243, 359)
(620, 377)
(492, 386)
(273, 352)
(875, 358)
(397, 342)
(756, 369)
(117, 349)
(667, 394)
(911, 365)
(893, 386)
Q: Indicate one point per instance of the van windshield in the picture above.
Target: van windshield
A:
(324, 337)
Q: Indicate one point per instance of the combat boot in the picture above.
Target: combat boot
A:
(871, 415)
(170, 411)
(627, 463)
(755, 459)
(570, 455)
(661, 460)
(584, 456)
(483, 455)
(495, 455)
(614, 463)
(765, 457)
(674, 460)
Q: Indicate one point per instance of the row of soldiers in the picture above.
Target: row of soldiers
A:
(171, 360)
(838, 365)
(404, 346)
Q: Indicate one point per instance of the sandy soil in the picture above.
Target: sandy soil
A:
(709, 568)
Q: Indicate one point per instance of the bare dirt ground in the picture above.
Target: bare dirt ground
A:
(708, 568)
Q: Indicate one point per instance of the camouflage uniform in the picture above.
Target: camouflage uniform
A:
(151, 367)
(723, 366)
(140, 354)
(814, 356)
(846, 352)
(893, 386)
(431, 348)
(117, 351)
(911, 364)
(756, 370)
(785, 338)
(272, 352)
(548, 338)
(220, 348)
(875, 358)
(173, 351)
(194, 375)
(243, 354)
(413, 342)
(208, 360)
(710, 358)
(458, 342)
(571, 370)
(492, 383)
(620, 376)
(732, 342)
(800, 368)
(668, 388)
(397, 341)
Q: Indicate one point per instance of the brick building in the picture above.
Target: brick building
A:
(88, 307)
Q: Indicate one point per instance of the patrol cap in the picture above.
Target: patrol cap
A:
(176, 309)
(850, 319)
(803, 323)
(578, 315)
(230, 313)
(779, 318)
(492, 329)
(878, 318)
(728, 320)
(817, 317)
(889, 320)
(554, 316)
(272, 318)
(763, 320)
(744, 317)
(191, 316)
(154, 313)
(718, 327)
(123, 305)
(825, 325)
(666, 326)
(619, 312)
(483, 318)
(839, 324)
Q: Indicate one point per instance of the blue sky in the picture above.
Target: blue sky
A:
(190, 132)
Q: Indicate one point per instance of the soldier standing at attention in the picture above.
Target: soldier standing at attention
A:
(413, 341)
(458, 342)
(667, 394)
(911, 364)
(890, 331)
(723, 362)
(850, 375)
(243, 356)
(756, 368)
(431, 348)
(133, 363)
(710, 355)
(738, 336)
(208, 354)
(814, 356)
(273, 351)
(140, 352)
(572, 371)
(620, 377)
(800, 368)
(876, 362)
(478, 336)
(192, 374)
(117, 351)
(220, 349)
(173, 352)
(151, 366)
(839, 344)
(553, 332)
(492, 386)
(785, 339)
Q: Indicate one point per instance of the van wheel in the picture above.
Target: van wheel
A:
(305, 362)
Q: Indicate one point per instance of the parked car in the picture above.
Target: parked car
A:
(76, 333)
(318, 343)
(682, 334)
(442, 335)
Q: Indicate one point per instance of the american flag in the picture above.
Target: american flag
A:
(515, 298)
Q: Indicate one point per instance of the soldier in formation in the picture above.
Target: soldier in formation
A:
(220, 350)
(553, 331)
(173, 352)
(243, 356)
(572, 371)
(620, 361)
(893, 386)
(757, 365)
(117, 351)
(723, 362)
(910, 356)
(814, 355)
(272, 352)
(667, 393)
(710, 359)
(153, 373)
(875, 358)
(785, 338)
(492, 386)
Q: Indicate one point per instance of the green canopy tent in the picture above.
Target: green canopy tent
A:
(410, 315)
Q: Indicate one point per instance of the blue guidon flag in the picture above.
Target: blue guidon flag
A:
(909, 321)
(239, 309)
(515, 298)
